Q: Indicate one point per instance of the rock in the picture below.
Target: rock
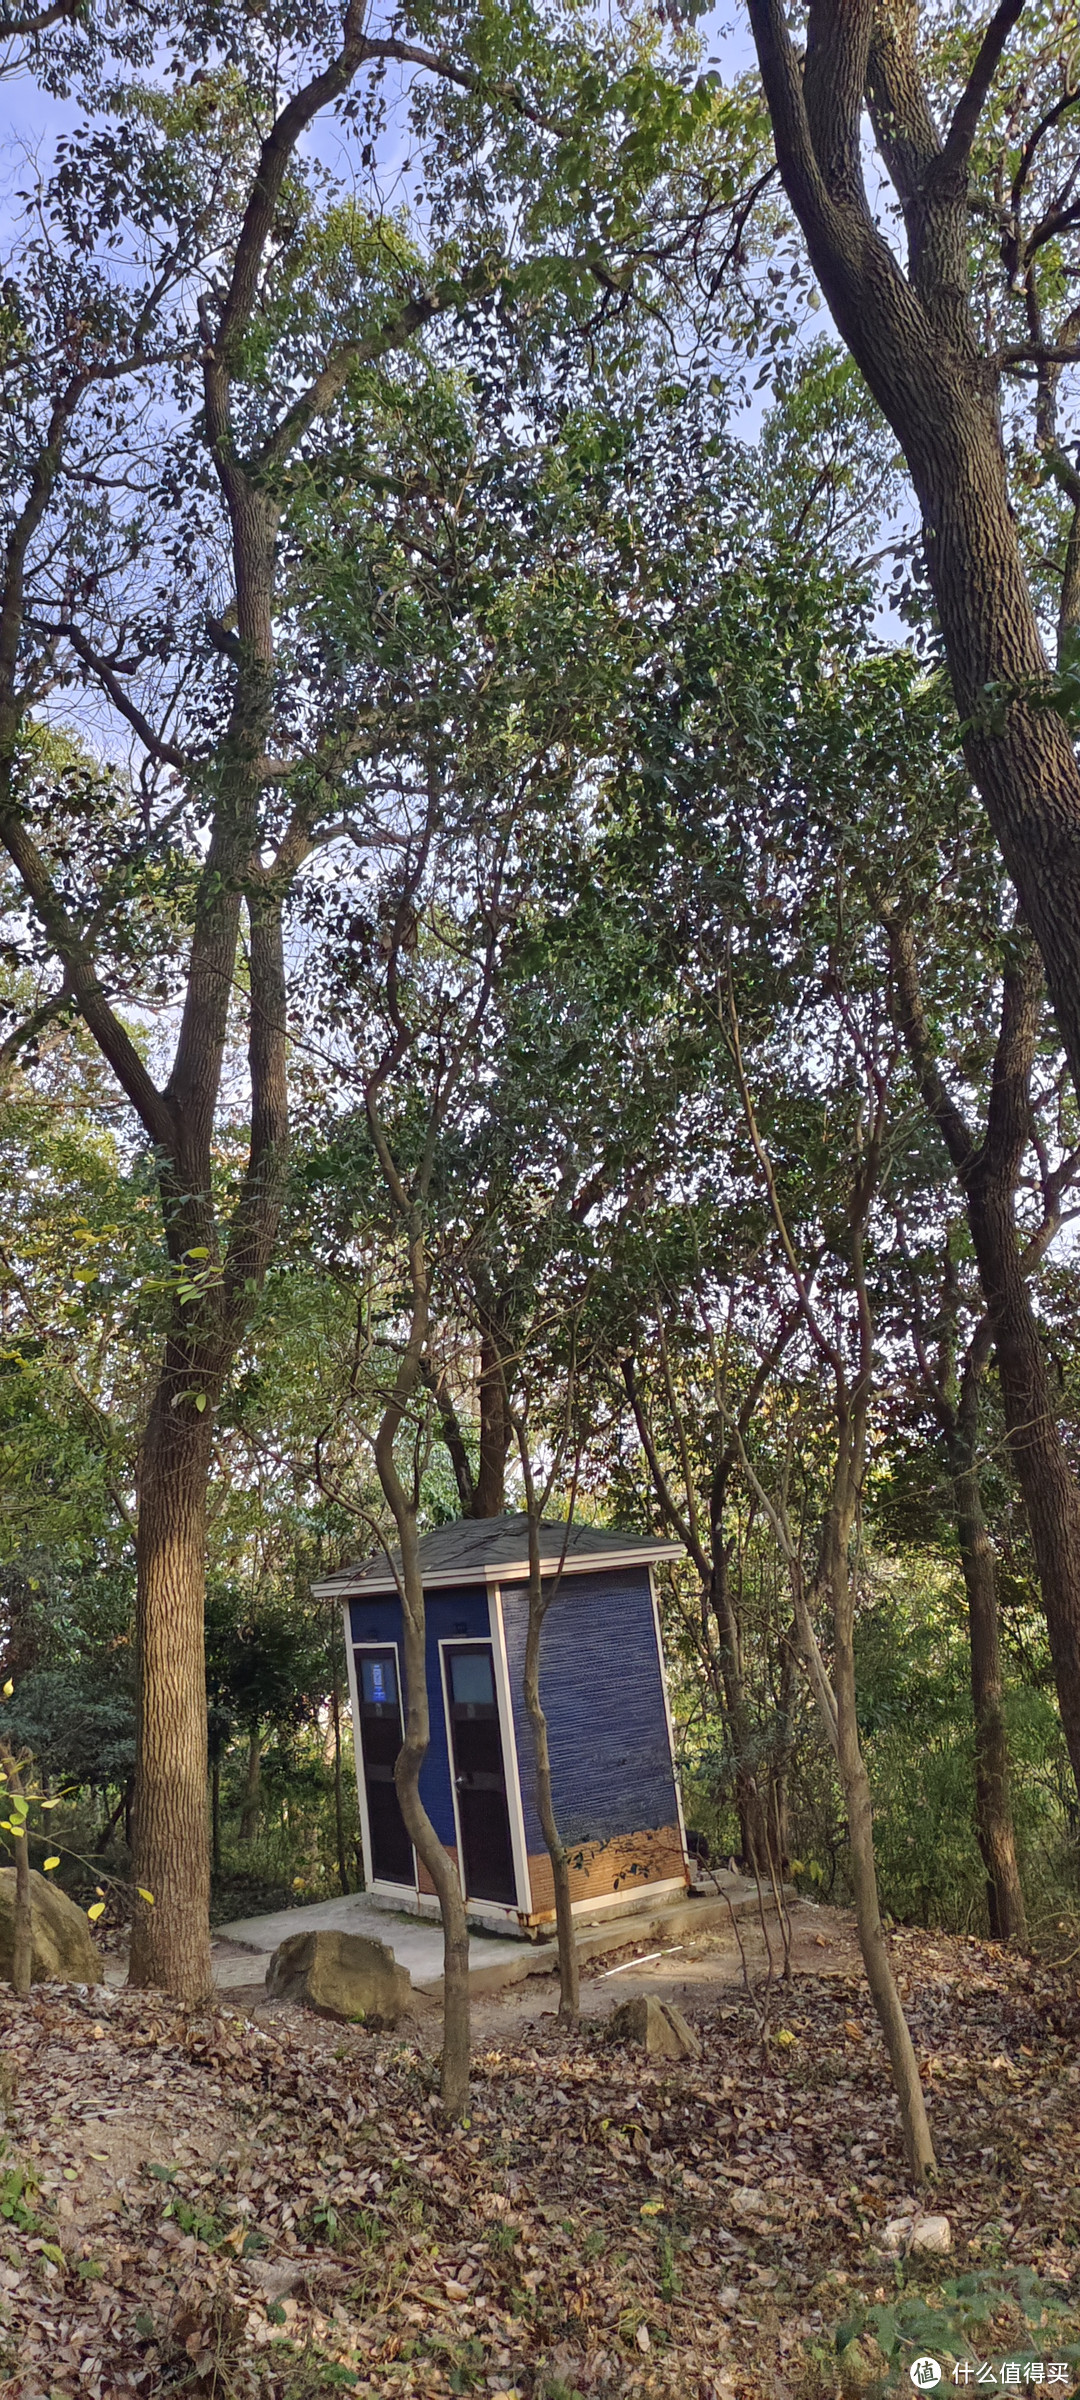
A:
(932, 2234)
(903, 2234)
(345, 1975)
(657, 2027)
(62, 1950)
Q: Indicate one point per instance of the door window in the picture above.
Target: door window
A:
(476, 1753)
(380, 1740)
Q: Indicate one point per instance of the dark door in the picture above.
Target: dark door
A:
(380, 1741)
(479, 1778)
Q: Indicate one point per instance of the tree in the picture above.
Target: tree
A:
(995, 189)
(212, 377)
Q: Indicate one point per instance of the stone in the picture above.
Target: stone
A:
(657, 2026)
(932, 2234)
(346, 1975)
(929, 2234)
(62, 1950)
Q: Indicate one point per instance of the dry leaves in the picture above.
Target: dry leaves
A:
(277, 2208)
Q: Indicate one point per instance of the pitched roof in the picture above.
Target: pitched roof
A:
(496, 1549)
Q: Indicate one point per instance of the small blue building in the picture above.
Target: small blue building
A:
(602, 1685)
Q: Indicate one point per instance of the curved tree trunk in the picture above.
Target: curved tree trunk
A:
(1036, 1447)
(988, 1173)
(912, 332)
(454, 2078)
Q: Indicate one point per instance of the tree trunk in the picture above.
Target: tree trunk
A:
(993, 1807)
(1036, 1447)
(215, 1819)
(339, 1799)
(489, 1496)
(988, 1173)
(569, 1977)
(22, 1951)
(170, 1942)
(111, 1821)
(914, 336)
(907, 2083)
(251, 1806)
(753, 1824)
(454, 2078)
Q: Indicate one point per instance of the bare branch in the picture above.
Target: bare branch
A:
(969, 107)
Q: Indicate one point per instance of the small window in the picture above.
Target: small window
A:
(379, 1682)
(471, 1680)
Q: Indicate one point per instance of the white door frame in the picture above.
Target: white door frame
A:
(373, 1885)
(503, 1910)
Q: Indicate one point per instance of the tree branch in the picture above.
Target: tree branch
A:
(166, 753)
(969, 107)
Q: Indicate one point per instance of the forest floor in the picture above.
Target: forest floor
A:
(267, 2206)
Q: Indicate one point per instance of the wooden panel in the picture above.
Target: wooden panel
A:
(625, 1865)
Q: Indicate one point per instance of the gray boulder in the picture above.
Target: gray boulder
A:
(345, 1975)
(61, 1947)
(657, 2026)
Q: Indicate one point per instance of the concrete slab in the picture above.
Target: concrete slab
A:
(415, 1941)
(242, 1948)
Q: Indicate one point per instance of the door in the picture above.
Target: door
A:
(476, 1755)
(379, 1694)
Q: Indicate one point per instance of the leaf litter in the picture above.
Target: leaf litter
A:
(272, 2207)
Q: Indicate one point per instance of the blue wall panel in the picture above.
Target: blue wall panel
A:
(462, 1614)
(611, 1770)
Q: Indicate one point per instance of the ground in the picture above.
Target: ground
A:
(261, 2205)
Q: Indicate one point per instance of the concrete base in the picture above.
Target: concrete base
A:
(242, 1949)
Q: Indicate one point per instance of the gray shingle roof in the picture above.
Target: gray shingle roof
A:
(475, 1549)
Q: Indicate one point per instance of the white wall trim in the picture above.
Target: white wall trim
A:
(514, 1571)
(487, 1641)
(518, 1842)
(670, 1721)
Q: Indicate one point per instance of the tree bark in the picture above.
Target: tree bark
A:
(339, 1797)
(837, 1698)
(454, 2075)
(215, 1820)
(251, 1808)
(753, 1824)
(913, 336)
(539, 1602)
(988, 1173)
(22, 1951)
(993, 1809)
(489, 1497)
(835, 1573)
(1036, 1447)
(170, 1939)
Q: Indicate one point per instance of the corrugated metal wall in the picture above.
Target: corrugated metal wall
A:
(601, 1687)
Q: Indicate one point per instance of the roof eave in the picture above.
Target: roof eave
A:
(600, 1562)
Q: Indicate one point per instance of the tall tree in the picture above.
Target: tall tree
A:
(984, 174)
